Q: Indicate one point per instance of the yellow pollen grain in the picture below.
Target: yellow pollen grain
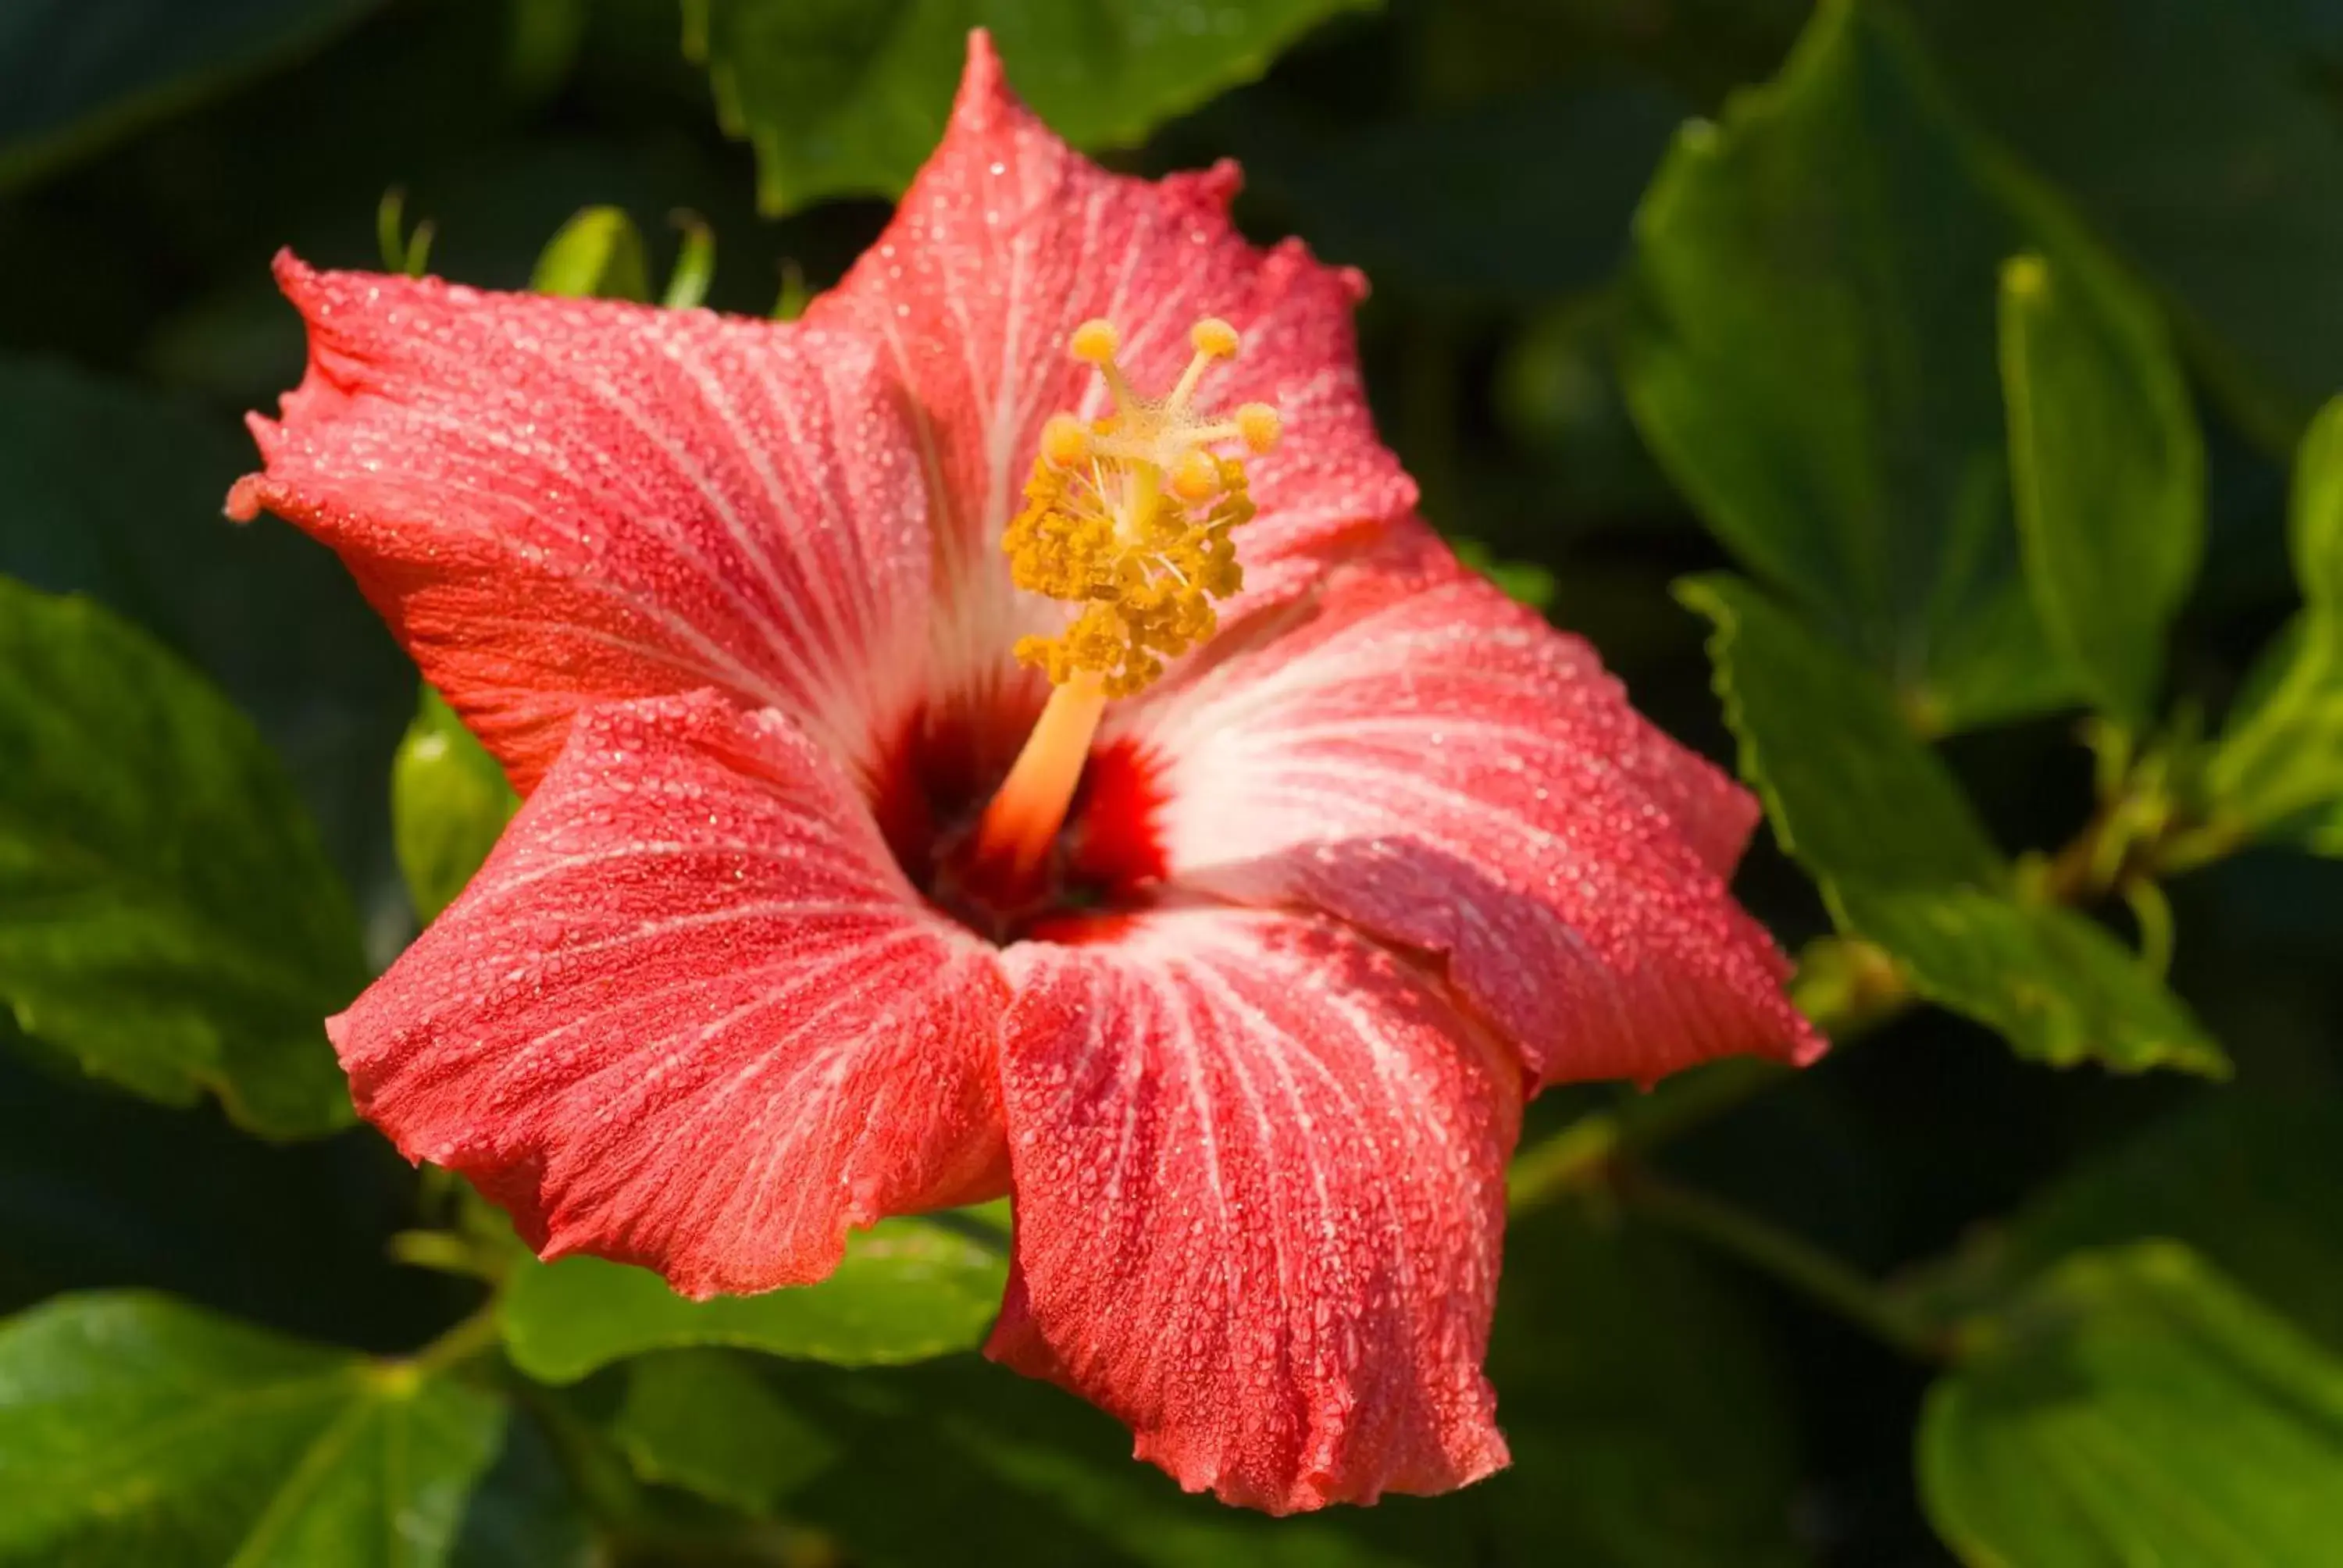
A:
(1129, 518)
(1196, 478)
(1259, 425)
(1095, 342)
(1214, 337)
(1064, 441)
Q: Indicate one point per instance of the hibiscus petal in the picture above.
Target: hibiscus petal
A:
(689, 1015)
(1005, 243)
(560, 501)
(1434, 763)
(1259, 1167)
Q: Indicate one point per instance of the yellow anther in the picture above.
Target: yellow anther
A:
(1094, 342)
(1064, 441)
(1259, 425)
(1131, 519)
(1197, 478)
(1214, 337)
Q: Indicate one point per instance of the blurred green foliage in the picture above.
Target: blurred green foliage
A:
(2077, 1431)
(1632, 1370)
(2278, 769)
(1987, 340)
(907, 1290)
(166, 914)
(2108, 473)
(2199, 140)
(1814, 357)
(449, 802)
(846, 97)
(140, 1430)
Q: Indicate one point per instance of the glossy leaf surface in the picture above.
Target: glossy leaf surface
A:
(909, 1288)
(2137, 1407)
(139, 1431)
(1879, 821)
(2108, 472)
(847, 97)
(1812, 361)
(166, 914)
(448, 802)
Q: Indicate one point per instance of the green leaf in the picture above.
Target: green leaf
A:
(2108, 472)
(598, 255)
(2137, 1408)
(1883, 827)
(543, 37)
(695, 264)
(165, 912)
(2055, 985)
(1644, 1416)
(2277, 770)
(140, 1432)
(908, 1289)
(1813, 362)
(2204, 149)
(1852, 793)
(703, 1421)
(449, 802)
(405, 253)
(848, 96)
(2315, 524)
(76, 76)
(2248, 1180)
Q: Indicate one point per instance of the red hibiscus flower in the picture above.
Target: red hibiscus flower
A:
(861, 875)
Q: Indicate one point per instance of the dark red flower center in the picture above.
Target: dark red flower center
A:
(932, 795)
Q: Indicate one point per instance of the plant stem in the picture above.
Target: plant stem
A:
(1845, 987)
(1582, 1153)
(473, 1336)
(1789, 1258)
